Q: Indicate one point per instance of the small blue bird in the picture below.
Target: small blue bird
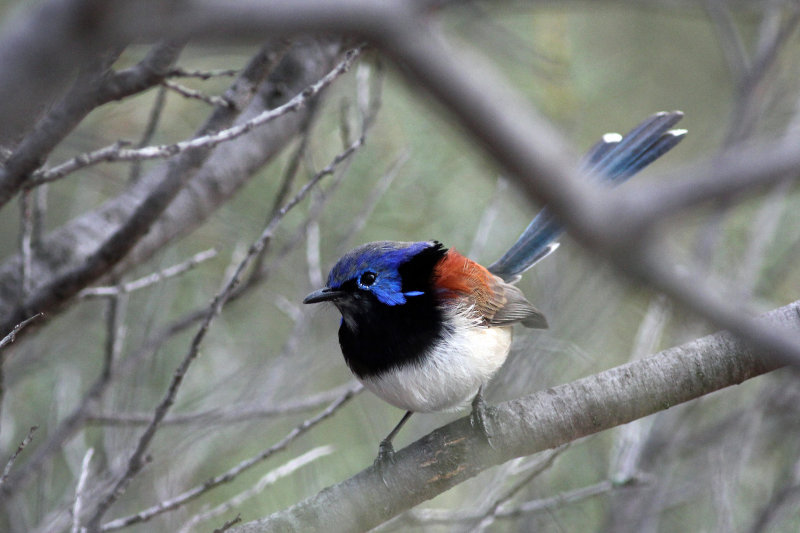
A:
(424, 328)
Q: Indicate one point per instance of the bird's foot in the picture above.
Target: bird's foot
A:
(385, 453)
(384, 459)
(481, 417)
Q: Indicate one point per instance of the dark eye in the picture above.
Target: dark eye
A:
(366, 279)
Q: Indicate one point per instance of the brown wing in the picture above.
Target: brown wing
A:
(517, 308)
(497, 302)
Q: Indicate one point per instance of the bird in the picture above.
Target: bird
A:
(425, 328)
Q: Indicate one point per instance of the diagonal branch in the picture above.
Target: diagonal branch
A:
(505, 125)
(232, 473)
(131, 227)
(115, 152)
(94, 87)
(456, 452)
(43, 44)
(137, 459)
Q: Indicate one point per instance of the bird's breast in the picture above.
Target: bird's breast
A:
(448, 374)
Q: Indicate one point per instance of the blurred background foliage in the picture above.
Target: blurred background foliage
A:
(590, 68)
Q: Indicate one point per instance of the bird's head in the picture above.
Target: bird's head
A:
(383, 273)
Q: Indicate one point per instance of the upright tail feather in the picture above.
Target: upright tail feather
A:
(613, 159)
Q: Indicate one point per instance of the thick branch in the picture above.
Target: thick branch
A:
(547, 419)
(92, 89)
(42, 46)
(61, 269)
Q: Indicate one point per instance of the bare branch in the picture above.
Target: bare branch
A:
(232, 415)
(95, 86)
(11, 460)
(12, 335)
(116, 310)
(487, 218)
(231, 474)
(229, 524)
(631, 439)
(8, 339)
(25, 240)
(456, 452)
(201, 74)
(136, 460)
(375, 195)
(433, 517)
(44, 43)
(530, 151)
(789, 493)
(197, 95)
(267, 479)
(116, 152)
(77, 507)
(143, 218)
(493, 511)
(149, 131)
(151, 279)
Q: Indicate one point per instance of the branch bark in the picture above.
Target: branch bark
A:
(42, 46)
(95, 86)
(92, 245)
(456, 452)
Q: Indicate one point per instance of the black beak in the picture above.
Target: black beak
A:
(323, 295)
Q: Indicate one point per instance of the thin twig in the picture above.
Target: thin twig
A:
(94, 86)
(487, 218)
(729, 36)
(5, 341)
(287, 181)
(196, 95)
(12, 335)
(788, 493)
(229, 524)
(267, 479)
(150, 279)
(242, 91)
(13, 458)
(177, 501)
(25, 248)
(760, 235)
(116, 152)
(375, 195)
(38, 219)
(433, 517)
(115, 333)
(77, 507)
(233, 415)
(491, 513)
(136, 460)
(149, 130)
(631, 439)
(201, 74)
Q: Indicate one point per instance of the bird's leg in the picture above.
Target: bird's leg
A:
(386, 450)
(480, 415)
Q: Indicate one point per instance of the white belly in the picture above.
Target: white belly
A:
(448, 376)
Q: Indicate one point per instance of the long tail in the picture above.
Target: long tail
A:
(614, 159)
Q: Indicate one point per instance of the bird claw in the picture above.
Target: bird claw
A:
(384, 459)
(481, 416)
(385, 452)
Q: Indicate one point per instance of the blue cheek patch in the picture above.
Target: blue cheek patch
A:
(389, 291)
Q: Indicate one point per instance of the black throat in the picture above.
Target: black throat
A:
(376, 338)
